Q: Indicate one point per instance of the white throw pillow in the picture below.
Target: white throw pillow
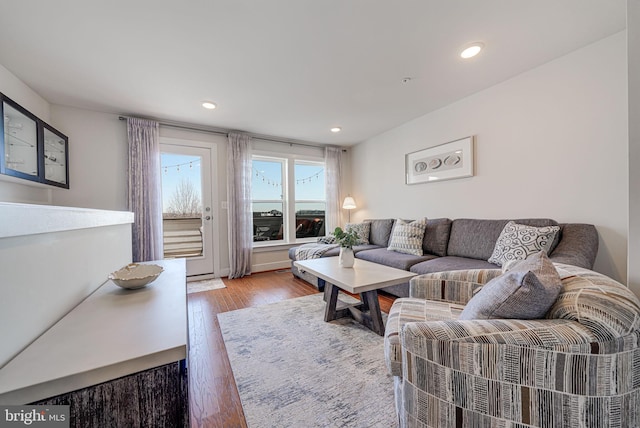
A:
(407, 237)
(519, 241)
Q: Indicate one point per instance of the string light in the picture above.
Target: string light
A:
(177, 166)
(308, 179)
(274, 183)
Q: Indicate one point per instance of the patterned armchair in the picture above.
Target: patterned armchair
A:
(579, 367)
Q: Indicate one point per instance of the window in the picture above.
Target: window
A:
(288, 199)
(310, 199)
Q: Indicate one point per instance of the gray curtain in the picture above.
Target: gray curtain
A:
(145, 193)
(239, 212)
(333, 161)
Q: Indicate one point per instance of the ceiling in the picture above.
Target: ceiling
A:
(286, 68)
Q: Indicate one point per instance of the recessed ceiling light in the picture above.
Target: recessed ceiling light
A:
(472, 50)
(209, 105)
(336, 129)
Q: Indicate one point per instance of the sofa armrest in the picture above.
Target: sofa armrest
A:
(506, 370)
(553, 334)
(457, 286)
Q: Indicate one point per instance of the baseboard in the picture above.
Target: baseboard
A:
(270, 266)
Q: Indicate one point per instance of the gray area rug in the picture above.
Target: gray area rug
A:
(206, 285)
(293, 369)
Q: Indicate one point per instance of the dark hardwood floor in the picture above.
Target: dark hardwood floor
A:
(213, 396)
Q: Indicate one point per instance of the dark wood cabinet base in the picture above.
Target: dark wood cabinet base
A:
(153, 398)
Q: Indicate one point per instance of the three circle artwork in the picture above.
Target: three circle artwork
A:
(447, 161)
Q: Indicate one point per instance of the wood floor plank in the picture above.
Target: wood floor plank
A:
(213, 396)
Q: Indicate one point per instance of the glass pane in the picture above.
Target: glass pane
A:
(55, 167)
(267, 221)
(309, 181)
(310, 219)
(267, 180)
(181, 205)
(20, 142)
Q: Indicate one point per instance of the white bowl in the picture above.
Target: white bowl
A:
(135, 275)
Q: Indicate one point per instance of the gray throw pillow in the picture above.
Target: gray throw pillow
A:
(362, 230)
(526, 291)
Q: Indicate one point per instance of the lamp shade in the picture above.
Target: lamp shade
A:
(349, 203)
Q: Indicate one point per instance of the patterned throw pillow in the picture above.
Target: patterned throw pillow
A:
(329, 239)
(519, 241)
(362, 229)
(407, 237)
(526, 291)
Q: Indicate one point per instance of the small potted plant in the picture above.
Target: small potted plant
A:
(346, 240)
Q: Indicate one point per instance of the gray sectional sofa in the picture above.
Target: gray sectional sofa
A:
(463, 244)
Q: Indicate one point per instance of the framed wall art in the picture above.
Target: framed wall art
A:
(444, 162)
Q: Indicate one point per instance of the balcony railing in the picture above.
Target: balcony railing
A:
(268, 226)
(182, 237)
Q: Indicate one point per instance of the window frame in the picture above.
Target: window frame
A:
(288, 195)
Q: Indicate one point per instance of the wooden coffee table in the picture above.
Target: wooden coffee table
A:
(365, 279)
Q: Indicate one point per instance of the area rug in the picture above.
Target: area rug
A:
(292, 369)
(206, 285)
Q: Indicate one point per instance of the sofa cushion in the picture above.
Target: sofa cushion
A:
(405, 310)
(519, 241)
(335, 251)
(476, 239)
(380, 231)
(436, 236)
(392, 258)
(604, 306)
(362, 230)
(441, 264)
(407, 237)
(526, 291)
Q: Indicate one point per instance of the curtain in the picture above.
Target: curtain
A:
(240, 215)
(144, 189)
(332, 160)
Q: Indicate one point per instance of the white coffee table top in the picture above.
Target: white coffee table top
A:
(363, 276)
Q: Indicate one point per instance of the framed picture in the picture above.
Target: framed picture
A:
(444, 162)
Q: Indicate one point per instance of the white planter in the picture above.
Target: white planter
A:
(346, 258)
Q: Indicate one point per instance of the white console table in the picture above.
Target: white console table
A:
(114, 333)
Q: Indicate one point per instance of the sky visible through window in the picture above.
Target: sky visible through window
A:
(266, 180)
(176, 168)
(267, 184)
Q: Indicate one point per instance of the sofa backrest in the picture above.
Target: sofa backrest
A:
(604, 306)
(578, 245)
(476, 238)
(436, 236)
(380, 231)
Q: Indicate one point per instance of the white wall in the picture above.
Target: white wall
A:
(98, 157)
(11, 190)
(551, 142)
(633, 50)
